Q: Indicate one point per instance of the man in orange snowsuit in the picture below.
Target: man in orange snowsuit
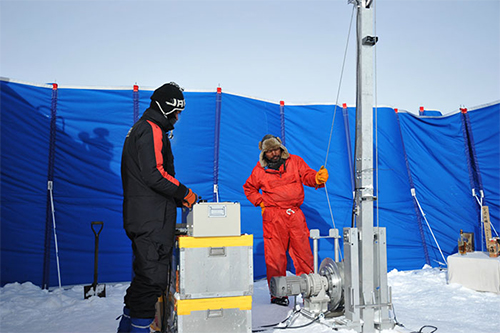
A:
(281, 176)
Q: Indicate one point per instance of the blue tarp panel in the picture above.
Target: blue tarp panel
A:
(487, 140)
(429, 153)
(396, 209)
(438, 164)
(87, 183)
(25, 129)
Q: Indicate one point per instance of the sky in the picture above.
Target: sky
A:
(438, 54)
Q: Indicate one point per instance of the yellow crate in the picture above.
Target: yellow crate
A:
(208, 315)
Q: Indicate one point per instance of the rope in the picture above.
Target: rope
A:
(330, 206)
(414, 194)
(492, 227)
(50, 186)
(333, 221)
(480, 203)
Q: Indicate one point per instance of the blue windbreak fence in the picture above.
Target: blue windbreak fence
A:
(428, 168)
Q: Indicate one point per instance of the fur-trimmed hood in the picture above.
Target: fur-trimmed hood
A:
(270, 142)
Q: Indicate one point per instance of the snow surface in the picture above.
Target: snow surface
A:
(420, 297)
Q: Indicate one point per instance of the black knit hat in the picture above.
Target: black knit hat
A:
(169, 97)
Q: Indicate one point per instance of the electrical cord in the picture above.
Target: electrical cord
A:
(289, 320)
(266, 327)
(300, 326)
(396, 319)
(421, 328)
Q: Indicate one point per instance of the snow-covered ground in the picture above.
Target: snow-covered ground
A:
(420, 297)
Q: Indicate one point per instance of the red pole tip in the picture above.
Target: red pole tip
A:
(421, 109)
(54, 86)
(136, 87)
(282, 103)
(396, 110)
(344, 106)
(464, 110)
(219, 90)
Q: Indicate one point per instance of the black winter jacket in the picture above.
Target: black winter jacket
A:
(150, 189)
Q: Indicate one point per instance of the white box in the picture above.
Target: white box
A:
(214, 219)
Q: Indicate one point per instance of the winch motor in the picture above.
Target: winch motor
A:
(322, 292)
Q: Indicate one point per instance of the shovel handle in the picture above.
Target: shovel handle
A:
(96, 250)
(93, 223)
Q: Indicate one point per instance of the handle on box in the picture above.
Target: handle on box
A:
(215, 313)
(217, 251)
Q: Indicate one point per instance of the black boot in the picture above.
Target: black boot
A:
(280, 300)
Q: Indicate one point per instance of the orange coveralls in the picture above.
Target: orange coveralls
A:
(283, 221)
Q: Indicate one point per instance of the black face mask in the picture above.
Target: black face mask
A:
(171, 118)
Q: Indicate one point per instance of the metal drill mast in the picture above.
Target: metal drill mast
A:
(364, 156)
(366, 292)
(363, 274)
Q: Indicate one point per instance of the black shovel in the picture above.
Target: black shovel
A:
(95, 289)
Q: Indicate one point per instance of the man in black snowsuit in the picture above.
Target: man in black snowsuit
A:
(151, 197)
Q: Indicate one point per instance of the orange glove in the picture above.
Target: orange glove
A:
(262, 207)
(190, 199)
(321, 176)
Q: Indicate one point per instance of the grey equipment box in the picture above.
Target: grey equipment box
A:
(221, 315)
(213, 219)
(215, 266)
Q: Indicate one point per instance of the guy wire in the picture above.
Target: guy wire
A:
(335, 111)
(340, 85)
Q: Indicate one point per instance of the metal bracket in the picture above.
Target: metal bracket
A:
(369, 198)
(369, 40)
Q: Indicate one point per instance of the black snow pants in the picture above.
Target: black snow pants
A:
(152, 245)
